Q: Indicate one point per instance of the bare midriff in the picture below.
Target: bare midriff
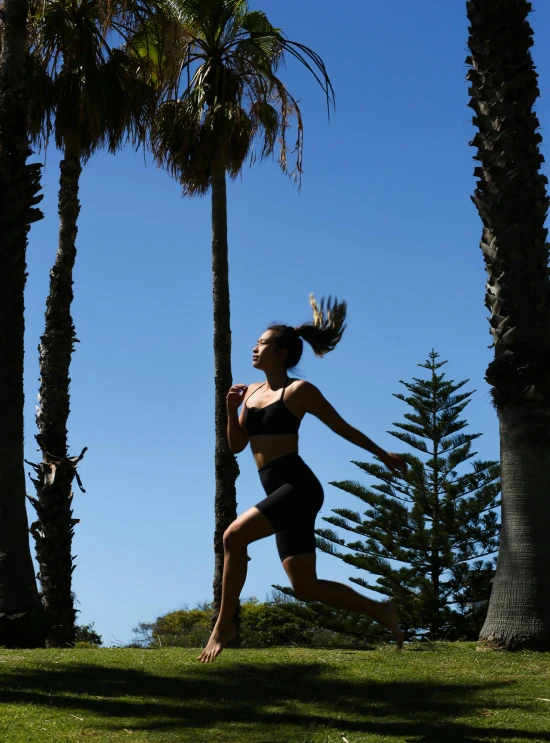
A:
(267, 447)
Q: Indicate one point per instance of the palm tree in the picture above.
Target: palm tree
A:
(21, 613)
(220, 62)
(89, 95)
(512, 201)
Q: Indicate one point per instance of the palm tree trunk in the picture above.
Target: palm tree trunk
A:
(512, 201)
(519, 610)
(21, 612)
(226, 467)
(53, 530)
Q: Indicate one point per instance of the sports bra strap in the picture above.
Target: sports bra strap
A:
(282, 394)
(284, 388)
(257, 388)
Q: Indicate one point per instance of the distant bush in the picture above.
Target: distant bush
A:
(262, 625)
(185, 628)
(86, 636)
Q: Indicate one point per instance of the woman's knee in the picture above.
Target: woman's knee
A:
(305, 591)
(249, 527)
(233, 537)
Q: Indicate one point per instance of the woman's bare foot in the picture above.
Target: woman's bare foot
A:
(218, 640)
(392, 624)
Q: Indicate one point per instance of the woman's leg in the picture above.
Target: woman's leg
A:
(249, 527)
(302, 573)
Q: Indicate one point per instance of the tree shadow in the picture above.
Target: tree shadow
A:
(267, 694)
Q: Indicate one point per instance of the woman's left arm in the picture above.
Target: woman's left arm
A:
(311, 400)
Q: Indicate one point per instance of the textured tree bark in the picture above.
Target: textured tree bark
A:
(226, 467)
(513, 203)
(54, 529)
(21, 612)
(519, 610)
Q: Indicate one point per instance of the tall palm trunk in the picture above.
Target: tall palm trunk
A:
(53, 531)
(512, 201)
(226, 467)
(519, 610)
(21, 612)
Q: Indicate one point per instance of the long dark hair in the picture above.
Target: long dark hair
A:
(323, 334)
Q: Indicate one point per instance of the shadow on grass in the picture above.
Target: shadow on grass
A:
(272, 694)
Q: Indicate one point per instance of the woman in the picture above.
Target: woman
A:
(270, 422)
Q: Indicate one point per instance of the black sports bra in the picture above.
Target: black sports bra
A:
(274, 418)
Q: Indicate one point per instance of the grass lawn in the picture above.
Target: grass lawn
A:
(441, 694)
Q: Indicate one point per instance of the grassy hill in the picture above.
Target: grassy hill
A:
(438, 694)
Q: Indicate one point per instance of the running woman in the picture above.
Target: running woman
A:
(270, 422)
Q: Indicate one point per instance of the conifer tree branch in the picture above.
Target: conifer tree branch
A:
(423, 533)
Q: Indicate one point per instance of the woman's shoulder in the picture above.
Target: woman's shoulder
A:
(302, 389)
(301, 384)
(304, 396)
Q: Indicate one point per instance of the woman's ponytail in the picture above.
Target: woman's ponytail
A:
(323, 334)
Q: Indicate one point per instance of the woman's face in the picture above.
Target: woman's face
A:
(265, 355)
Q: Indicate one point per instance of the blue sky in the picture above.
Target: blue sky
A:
(383, 220)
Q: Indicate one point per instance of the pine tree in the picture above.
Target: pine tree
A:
(424, 534)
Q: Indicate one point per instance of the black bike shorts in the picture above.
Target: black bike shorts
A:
(294, 498)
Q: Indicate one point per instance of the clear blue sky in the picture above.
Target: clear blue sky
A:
(384, 220)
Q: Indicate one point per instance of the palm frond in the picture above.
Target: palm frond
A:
(302, 54)
(228, 57)
(92, 90)
(40, 101)
(265, 117)
(257, 23)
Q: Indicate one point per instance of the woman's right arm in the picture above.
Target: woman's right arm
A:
(237, 435)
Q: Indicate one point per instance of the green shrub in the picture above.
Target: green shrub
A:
(86, 636)
(262, 625)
